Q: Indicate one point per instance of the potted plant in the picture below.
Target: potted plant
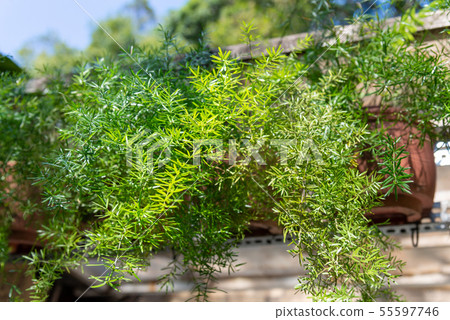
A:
(155, 156)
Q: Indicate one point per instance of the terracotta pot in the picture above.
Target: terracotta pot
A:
(22, 237)
(263, 228)
(407, 208)
(23, 234)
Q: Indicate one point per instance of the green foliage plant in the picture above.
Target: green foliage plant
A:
(182, 152)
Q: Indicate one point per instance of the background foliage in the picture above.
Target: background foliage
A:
(104, 200)
(218, 21)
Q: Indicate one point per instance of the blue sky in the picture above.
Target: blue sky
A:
(22, 21)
